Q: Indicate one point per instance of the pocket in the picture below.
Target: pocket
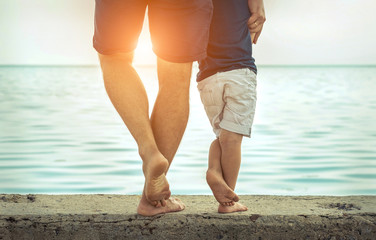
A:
(207, 88)
(206, 96)
(252, 79)
(240, 98)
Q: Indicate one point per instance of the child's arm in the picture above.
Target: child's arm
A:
(257, 19)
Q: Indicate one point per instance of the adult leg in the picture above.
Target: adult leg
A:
(214, 177)
(128, 96)
(230, 143)
(171, 110)
(179, 33)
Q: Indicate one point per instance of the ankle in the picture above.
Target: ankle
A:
(214, 170)
(148, 152)
(153, 162)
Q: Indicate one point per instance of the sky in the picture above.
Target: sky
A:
(297, 32)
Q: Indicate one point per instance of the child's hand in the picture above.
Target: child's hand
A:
(257, 19)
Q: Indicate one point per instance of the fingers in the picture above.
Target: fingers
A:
(256, 37)
(253, 37)
(255, 27)
(255, 24)
(252, 19)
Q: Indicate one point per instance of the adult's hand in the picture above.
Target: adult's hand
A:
(257, 19)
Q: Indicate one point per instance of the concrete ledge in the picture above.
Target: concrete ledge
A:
(114, 217)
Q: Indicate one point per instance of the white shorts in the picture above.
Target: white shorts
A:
(229, 99)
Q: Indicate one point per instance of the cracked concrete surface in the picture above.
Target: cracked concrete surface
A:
(114, 217)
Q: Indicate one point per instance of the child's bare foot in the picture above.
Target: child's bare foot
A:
(157, 189)
(223, 193)
(171, 205)
(237, 207)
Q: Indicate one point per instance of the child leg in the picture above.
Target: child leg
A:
(214, 177)
(230, 144)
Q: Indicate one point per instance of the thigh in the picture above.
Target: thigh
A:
(180, 28)
(240, 101)
(211, 94)
(240, 92)
(118, 24)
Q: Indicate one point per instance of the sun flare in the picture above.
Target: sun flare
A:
(144, 54)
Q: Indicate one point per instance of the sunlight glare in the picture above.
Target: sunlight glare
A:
(144, 54)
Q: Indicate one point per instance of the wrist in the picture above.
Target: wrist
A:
(256, 6)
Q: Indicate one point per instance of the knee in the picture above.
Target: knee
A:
(174, 75)
(230, 140)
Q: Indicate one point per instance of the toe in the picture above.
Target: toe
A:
(168, 195)
(178, 201)
(163, 202)
(181, 206)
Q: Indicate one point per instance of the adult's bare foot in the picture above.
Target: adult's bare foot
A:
(221, 191)
(171, 205)
(157, 189)
(237, 207)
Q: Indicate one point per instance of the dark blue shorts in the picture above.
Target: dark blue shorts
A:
(179, 29)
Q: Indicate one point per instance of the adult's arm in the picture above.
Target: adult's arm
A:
(257, 19)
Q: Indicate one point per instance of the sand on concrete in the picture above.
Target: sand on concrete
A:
(114, 217)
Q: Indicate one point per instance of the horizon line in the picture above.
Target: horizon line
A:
(153, 65)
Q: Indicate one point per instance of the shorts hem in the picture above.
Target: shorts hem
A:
(111, 52)
(99, 49)
(229, 126)
(181, 59)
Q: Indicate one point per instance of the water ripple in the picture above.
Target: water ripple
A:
(313, 133)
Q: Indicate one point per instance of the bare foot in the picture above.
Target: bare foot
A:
(222, 192)
(237, 207)
(157, 189)
(172, 205)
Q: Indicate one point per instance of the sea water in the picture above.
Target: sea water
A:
(314, 133)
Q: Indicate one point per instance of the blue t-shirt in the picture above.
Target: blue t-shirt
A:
(230, 45)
